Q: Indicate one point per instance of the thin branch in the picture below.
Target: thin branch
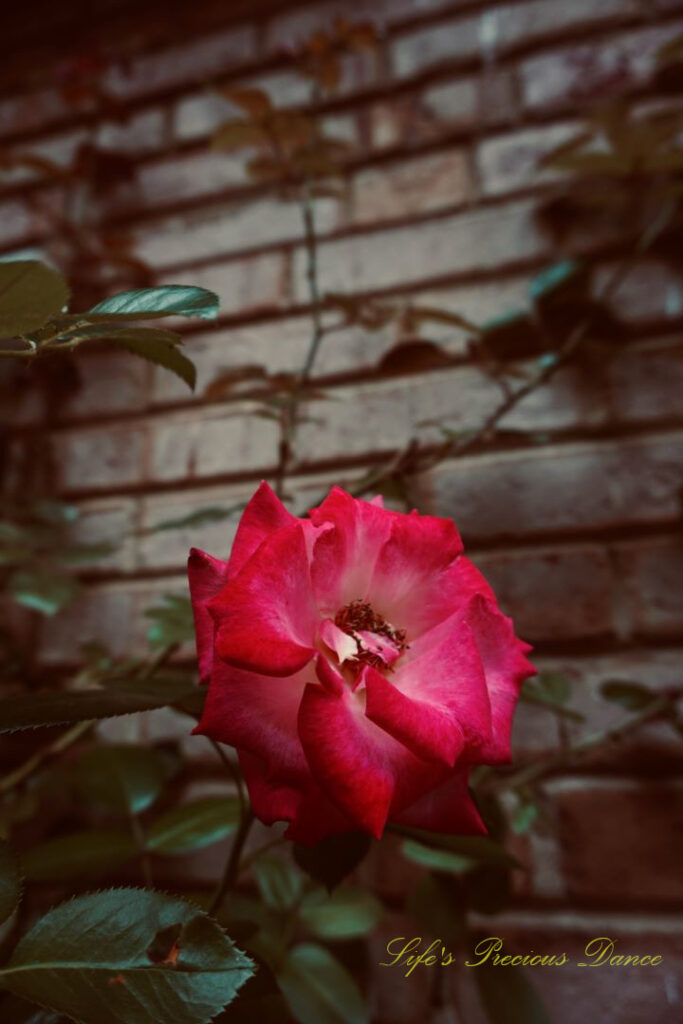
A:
(232, 864)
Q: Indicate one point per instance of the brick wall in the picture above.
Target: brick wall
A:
(577, 533)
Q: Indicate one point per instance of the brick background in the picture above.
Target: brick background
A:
(573, 517)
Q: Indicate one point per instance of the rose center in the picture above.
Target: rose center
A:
(378, 643)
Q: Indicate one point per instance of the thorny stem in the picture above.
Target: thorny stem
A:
(544, 765)
(290, 413)
(232, 864)
(411, 460)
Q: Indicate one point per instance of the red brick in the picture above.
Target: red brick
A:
(652, 572)
(412, 187)
(560, 487)
(109, 521)
(466, 102)
(30, 111)
(228, 229)
(645, 385)
(227, 441)
(553, 594)
(104, 614)
(620, 840)
(502, 30)
(509, 162)
(592, 71)
(189, 64)
(16, 223)
(99, 457)
(462, 243)
(111, 382)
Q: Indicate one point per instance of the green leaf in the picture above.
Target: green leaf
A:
(82, 853)
(30, 293)
(10, 882)
(145, 303)
(508, 995)
(523, 817)
(45, 709)
(632, 696)
(318, 989)
(436, 859)
(332, 859)
(124, 779)
(477, 848)
(346, 914)
(148, 344)
(42, 591)
(551, 690)
(562, 279)
(173, 622)
(90, 959)
(193, 825)
(280, 883)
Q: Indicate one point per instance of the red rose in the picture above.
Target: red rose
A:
(358, 663)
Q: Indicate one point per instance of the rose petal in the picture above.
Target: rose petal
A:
(505, 668)
(206, 576)
(263, 515)
(429, 731)
(258, 714)
(271, 799)
(265, 617)
(448, 809)
(343, 646)
(447, 592)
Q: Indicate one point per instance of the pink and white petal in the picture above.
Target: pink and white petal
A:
(328, 675)
(344, 559)
(207, 576)
(263, 515)
(443, 668)
(343, 646)
(506, 667)
(266, 619)
(346, 755)
(447, 592)
(428, 730)
(258, 714)
(417, 550)
(448, 809)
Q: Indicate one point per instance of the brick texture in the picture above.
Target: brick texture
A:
(572, 511)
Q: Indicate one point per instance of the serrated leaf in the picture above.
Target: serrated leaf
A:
(148, 303)
(508, 995)
(279, 881)
(78, 854)
(30, 293)
(332, 859)
(318, 989)
(121, 778)
(10, 882)
(632, 696)
(347, 913)
(194, 825)
(59, 708)
(89, 959)
(42, 591)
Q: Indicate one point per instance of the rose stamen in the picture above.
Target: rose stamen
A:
(358, 618)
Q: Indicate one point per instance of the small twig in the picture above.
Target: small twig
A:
(231, 870)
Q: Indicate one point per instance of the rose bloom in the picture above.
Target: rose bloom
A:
(358, 663)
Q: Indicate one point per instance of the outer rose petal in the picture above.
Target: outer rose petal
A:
(448, 809)
(265, 617)
(263, 515)
(207, 576)
(446, 593)
(506, 668)
(258, 714)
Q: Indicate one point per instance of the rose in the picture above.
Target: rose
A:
(358, 663)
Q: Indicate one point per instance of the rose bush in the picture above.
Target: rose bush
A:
(359, 664)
